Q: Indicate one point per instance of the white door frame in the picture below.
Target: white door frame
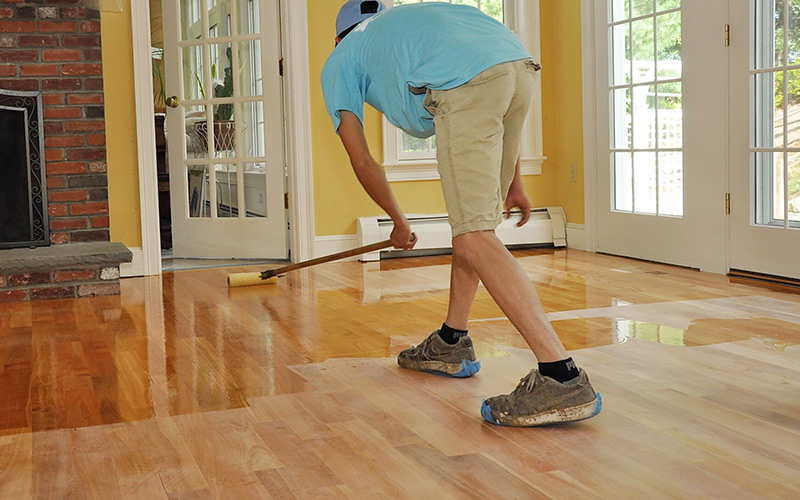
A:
(589, 73)
(297, 110)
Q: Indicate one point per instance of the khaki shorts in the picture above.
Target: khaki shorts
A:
(478, 133)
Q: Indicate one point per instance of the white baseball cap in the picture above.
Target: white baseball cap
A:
(355, 11)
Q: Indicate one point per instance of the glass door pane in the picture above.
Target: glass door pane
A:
(647, 112)
(776, 114)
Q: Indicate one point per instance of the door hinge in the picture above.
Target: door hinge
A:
(727, 203)
(280, 66)
(286, 200)
(727, 35)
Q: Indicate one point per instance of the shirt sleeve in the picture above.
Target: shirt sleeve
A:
(343, 88)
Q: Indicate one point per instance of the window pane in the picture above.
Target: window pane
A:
(769, 110)
(218, 18)
(227, 195)
(793, 108)
(252, 125)
(250, 77)
(198, 198)
(769, 188)
(620, 41)
(644, 183)
(794, 32)
(247, 13)
(669, 45)
(414, 147)
(196, 122)
(193, 74)
(622, 119)
(255, 189)
(641, 7)
(794, 187)
(224, 131)
(643, 50)
(623, 179)
(670, 184)
(769, 34)
(221, 70)
(620, 9)
(644, 117)
(670, 115)
(191, 22)
(667, 4)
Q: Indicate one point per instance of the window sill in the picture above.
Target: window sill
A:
(426, 170)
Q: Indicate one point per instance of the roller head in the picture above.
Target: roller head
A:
(247, 279)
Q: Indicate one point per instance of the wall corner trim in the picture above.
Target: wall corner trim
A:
(294, 25)
(576, 236)
(145, 139)
(135, 267)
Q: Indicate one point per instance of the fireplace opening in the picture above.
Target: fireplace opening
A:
(23, 212)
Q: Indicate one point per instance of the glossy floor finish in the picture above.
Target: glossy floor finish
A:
(181, 388)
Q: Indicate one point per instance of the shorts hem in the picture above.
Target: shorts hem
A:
(475, 225)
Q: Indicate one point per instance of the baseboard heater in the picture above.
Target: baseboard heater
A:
(547, 226)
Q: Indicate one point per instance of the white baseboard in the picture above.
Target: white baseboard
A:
(576, 236)
(135, 267)
(326, 245)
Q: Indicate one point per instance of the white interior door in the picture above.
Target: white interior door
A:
(662, 142)
(225, 133)
(765, 136)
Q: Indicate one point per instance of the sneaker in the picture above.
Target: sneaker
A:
(434, 355)
(540, 400)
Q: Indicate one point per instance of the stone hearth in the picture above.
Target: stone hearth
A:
(52, 48)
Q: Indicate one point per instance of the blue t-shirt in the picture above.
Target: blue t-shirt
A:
(427, 45)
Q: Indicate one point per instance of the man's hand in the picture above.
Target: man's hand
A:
(518, 199)
(402, 237)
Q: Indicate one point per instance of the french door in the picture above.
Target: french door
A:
(765, 136)
(225, 128)
(662, 130)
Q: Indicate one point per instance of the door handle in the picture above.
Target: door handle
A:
(173, 101)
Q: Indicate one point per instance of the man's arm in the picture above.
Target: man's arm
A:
(372, 177)
(516, 198)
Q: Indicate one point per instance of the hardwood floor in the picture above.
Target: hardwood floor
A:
(183, 389)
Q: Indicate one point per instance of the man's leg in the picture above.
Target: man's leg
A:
(463, 285)
(511, 288)
(448, 351)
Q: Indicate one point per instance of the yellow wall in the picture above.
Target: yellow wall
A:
(123, 169)
(563, 100)
(338, 197)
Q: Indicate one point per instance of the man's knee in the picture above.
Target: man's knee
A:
(467, 244)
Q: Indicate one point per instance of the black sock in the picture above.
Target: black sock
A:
(560, 371)
(451, 335)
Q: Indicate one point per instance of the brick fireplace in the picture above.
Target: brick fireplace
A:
(51, 49)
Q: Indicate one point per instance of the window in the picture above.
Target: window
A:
(647, 115)
(776, 87)
(409, 158)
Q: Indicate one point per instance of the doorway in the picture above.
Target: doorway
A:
(219, 132)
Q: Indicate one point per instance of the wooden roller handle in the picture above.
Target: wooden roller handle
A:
(328, 258)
